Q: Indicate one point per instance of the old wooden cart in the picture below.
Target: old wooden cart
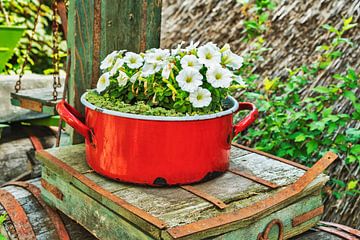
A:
(261, 195)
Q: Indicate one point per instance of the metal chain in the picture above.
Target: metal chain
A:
(56, 57)
(26, 55)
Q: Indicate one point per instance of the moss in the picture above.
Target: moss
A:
(137, 108)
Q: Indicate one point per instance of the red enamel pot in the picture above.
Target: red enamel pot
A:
(154, 150)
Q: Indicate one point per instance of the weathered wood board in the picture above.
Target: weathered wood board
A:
(113, 210)
(37, 100)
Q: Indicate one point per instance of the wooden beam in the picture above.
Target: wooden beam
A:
(96, 28)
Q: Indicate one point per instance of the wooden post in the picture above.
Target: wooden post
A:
(96, 28)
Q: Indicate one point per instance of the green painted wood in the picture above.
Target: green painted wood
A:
(123, 24)
(89, 213)
(176, 206)
(49, 121)
(41, 96)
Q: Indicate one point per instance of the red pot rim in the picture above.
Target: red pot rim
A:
(231, 110)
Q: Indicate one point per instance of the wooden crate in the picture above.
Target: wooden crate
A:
(258, 189)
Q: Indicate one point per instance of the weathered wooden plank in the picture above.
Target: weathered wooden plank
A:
(97, 27)
(91, 214)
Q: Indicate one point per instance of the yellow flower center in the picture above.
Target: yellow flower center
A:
(188, 79)
(132, 60)
(199, 97)
(217, 76)
(208, 56)
(190, 64)
(102, 80)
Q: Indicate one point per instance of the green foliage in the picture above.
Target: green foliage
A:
(297, 127)
(22, 13)
(3, 218)
(257, 17)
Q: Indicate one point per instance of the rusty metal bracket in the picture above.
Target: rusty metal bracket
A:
(307, 216)
(343, 227)
(52, 189)
(211, 199)
(265, 234)
(17, 215)
(53, 215)
(258, 207)
(254, 178)
(34, 139)
(337, 232)
(294, 164)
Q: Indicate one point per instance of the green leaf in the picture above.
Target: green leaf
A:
(347, 21)
(317, 126)
(321, 89)
(350, 159)
(311, 147)
(300, 138)
(355, 149)
(352, 184)
(338, 182)
(350, 95)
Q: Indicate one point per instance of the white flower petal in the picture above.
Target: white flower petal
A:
(232, 60)
(189, 79)
(108, 61)
(133, 60)
(135, 77)
(167, 70)
(103, 82)
(201, 97)
(219, 77)
(209, 55)
(118, 64)
(192, 46)
(191, 61)
(122, 79)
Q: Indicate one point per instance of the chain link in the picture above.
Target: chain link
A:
(28, 49)
(56, 57)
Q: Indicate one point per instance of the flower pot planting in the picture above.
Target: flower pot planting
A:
(178, 82)
(162, 117)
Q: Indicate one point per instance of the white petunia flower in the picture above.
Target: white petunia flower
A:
(189, 79)
(192, 46)
(108, 61)
(119, 62)
(239, 80)
(150, 68)
(158, 56)
(133, 60)
(122, 79)
(209, 55)
(191, 61)
(167, 70)
(219, 77)
(232, 60)
(135, 77)
(103, 82)
(200, 98)
(178, 49)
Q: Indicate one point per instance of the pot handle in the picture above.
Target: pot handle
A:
(72, 117)
(248, 120)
